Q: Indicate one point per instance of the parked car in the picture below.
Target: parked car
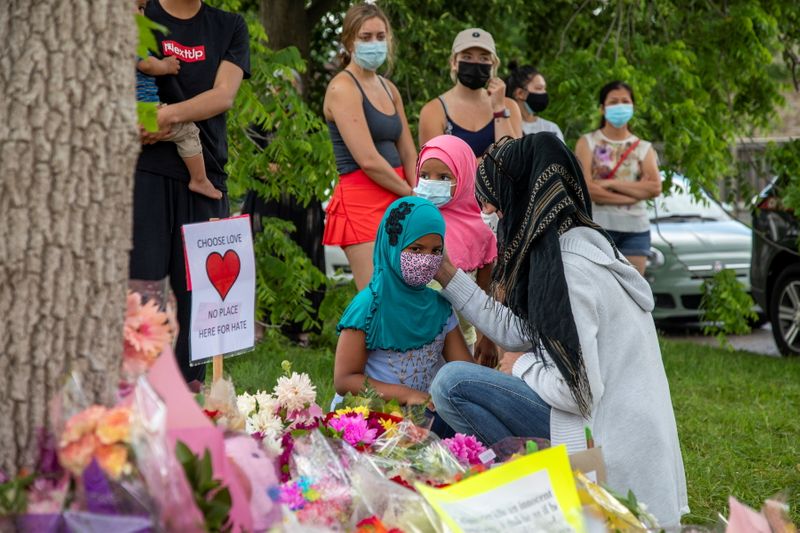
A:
(691, 241)
(775, 267)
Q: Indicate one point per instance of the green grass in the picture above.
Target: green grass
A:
(738, 415)
(738, 418)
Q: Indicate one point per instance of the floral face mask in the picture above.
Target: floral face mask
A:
(418, 269)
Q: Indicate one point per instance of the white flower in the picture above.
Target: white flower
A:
(295, 392)
(246, 403)
(266, 402)
(265, 423)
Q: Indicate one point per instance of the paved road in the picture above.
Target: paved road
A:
(759, 341)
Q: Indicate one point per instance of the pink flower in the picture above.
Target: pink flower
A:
(354, 429)
(466, 448)
(147, 330)
(292, 495)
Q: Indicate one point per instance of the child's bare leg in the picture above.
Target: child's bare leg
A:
(198, 181)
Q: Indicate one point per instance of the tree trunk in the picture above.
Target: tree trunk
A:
(68, 145)
(287, 24)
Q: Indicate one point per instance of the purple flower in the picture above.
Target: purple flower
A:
(466, 448)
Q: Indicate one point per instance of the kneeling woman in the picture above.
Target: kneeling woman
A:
(576, 316)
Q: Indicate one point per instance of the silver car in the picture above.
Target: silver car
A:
(691, 241)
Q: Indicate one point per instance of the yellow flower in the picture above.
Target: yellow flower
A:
(389, 426)
(115, 426)
(113, 459)
(360, 410)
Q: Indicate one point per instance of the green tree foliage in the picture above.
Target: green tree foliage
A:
(298, 161)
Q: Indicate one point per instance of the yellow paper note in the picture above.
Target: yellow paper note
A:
(533, 493)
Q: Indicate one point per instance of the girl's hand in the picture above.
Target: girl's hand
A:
(486, 353)
(415, 397)
(508, 360)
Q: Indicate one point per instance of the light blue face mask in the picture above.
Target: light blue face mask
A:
(435, 191)
(370, 55)
(619, 114)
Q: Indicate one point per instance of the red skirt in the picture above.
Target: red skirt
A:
(356, 209)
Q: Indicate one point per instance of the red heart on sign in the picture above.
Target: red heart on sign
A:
(223, 270)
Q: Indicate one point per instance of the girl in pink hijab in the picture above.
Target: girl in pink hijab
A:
(446, 176)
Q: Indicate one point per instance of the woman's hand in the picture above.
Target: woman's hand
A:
(508, 360)
(445, 272)
(497, 94)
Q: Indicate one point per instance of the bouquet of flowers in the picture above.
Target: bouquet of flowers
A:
(319, 490)
(100, 434)
(147, 330)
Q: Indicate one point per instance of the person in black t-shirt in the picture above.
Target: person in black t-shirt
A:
(214, 49)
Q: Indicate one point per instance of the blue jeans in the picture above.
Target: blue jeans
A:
(631, 242)
(479, 401)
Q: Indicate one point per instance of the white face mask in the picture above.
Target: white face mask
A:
(435, 191)
(491, 220)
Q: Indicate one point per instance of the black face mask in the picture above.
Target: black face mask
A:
(537, 101)
(474, 75)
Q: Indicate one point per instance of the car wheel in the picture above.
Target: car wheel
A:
(785, 311)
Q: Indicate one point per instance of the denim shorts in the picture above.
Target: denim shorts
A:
(634, 243)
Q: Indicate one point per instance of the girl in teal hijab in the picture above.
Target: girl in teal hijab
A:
(396, 332)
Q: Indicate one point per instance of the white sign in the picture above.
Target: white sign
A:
(527, 504)
(221, 273)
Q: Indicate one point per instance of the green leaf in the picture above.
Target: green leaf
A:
(147, 115)
(147, 41)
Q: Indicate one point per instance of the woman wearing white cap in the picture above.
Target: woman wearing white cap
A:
(476, 108)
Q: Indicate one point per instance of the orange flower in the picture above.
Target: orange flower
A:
(77, 455)
(81, 424)
(113, 459)
(114, 426)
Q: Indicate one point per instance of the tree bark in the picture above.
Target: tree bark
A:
(286, 24)
(291, 22)
(68, 146)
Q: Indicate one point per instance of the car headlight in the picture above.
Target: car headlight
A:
(655, 259)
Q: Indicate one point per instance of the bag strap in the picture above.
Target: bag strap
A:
(622, 159)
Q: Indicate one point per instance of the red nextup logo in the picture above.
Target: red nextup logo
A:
(184, 53)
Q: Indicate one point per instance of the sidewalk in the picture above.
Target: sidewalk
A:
(760, 341)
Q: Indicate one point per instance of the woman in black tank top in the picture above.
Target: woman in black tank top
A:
(475, 109)
(375, 154)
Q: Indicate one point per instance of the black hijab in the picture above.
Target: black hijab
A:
(537, 184)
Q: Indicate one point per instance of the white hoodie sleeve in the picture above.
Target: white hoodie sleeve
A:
(481, 310)
(545, 379)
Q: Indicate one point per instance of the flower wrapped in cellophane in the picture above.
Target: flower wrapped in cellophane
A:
(318, 490)
(410, 454)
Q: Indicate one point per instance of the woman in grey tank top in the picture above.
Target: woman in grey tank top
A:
(375, 154)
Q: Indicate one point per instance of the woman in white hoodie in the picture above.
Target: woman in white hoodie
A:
(575, 316)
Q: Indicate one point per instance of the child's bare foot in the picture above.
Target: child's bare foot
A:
(205, 187)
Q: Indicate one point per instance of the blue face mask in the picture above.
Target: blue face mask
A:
(435, 191)
(619, 114)
(370, 55)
